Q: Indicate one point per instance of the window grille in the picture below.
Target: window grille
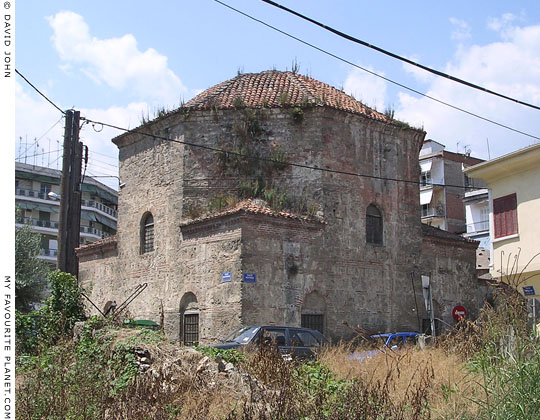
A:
(313, 321)
(374, 226)
(191, 329)
(147, 234)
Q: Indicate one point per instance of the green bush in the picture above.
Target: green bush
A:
(54, 320)
(228, 356)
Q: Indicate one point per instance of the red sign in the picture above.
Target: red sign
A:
(459, 312)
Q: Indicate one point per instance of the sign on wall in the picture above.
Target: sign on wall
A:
(528, 291)
(250, 278)
(226, 277)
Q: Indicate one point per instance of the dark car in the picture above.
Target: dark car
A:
(292, 342)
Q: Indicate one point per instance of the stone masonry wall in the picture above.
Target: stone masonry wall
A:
(362, 284)
(451, 266)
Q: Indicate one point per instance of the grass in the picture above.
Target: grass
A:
(488, 369)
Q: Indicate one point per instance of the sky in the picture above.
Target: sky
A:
(118, 60)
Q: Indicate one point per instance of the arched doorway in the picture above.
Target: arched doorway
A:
(189, 320)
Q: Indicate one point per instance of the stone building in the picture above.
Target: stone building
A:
(243, 238)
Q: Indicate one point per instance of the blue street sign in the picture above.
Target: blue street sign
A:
(226, 277)
(528, 291)
(250, 278)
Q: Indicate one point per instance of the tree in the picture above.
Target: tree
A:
(30, 271)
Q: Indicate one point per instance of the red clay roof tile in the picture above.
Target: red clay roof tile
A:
(253, 207)
(271, 89)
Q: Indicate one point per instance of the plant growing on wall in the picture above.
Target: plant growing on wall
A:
(254, 164)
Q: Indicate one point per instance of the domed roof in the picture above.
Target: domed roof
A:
(278, 89)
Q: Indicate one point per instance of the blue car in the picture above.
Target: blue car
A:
(393, 341)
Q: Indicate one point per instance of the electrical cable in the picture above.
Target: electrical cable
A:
(38, 91)
(102, 154)
(263, 159)
(337, 57)
(38, 154)
(40, 137)
(398, 57)
(105, 163)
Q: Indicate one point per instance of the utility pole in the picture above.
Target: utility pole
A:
(70, 199)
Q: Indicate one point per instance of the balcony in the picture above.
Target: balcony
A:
(36, 223)
(48, 252)
(33, 194)
(92, 203)
(94, 232)
(432, 212)
(88, 203)
(478, 227)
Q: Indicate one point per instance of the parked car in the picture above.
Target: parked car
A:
(292, 342)
(392, 341)
(395, 340)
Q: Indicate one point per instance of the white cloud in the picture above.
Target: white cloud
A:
(511, 67)
(117, 62)
(501, 23)
(462, 30)
(366, 87)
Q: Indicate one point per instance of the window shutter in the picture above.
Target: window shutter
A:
(505, 216)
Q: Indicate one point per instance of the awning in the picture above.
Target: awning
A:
(425, 166)
(37, 177)
(92, 189)
(89, 215)
(425, 196)
(106, 221)
(95, 217)
(27, 205)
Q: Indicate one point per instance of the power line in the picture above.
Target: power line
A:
(105, 163)
(38, 91)
(38, 154)
(40, 137)
(263, 159)
(102, 154)
(337, 57)
(398, 57)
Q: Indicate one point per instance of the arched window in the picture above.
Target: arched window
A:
(147, 233)
(374, 226)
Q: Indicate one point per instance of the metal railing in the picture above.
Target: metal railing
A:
(54, 225)
(93, 231)
(48, 252)
(99, 206)
(88, 203)
(478, 226)
(32, 193)
(37, 223)
(432, 212)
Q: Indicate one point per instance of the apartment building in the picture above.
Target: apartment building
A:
(37, 194)
(443, 186)
(514, 206)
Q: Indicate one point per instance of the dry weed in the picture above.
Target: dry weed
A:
(450, 385)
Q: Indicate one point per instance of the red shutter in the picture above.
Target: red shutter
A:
(505, 216)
